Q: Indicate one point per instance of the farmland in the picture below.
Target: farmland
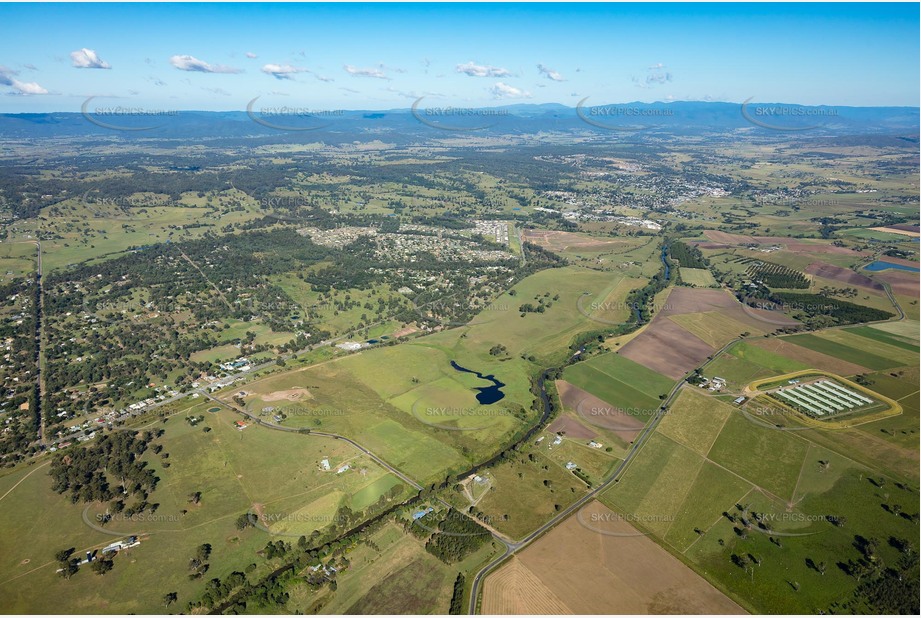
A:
(712, 492)
(292, 494)
(553, 575)
(346, 373)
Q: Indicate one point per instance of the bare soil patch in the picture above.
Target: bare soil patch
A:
(791, 244)
(816, 360)
(902, 283)
(903, 229)
(667, 348)
(624, 426)
(562, 241)
(844, 275)
(515, 590)
(292, 394)
(593, 564)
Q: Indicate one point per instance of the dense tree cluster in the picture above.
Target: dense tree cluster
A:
(109, 469)
(456, 537)
(776, 275)
(818, 311)
(686, 255)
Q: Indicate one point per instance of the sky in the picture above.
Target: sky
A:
(317, 57)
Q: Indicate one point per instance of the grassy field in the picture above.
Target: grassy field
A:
(765, 358)
(390, 574)
(230, 469)
(331, 397)
(868, 354)
(16, 259)
(411, 407)
(713, 327)
(695, 420)
(698, 277)
(882, 336)
(905, 329)
(706, 461)
(620, 382)
(526, 493)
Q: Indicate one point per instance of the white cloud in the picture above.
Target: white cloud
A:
(191, 63)
(550, 73)
(28, 87)
(7, 79)
(251, 55)
(504, 91)
(370, 72)
(477, 70)
(88, 59)
(652, 80)
(282, 71)
(655, 76)
(658, 78)
(323, 78)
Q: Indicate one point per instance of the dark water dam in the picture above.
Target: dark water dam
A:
(486, 394)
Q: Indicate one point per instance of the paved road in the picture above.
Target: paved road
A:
(513, 547)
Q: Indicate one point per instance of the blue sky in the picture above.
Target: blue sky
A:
(383, 56)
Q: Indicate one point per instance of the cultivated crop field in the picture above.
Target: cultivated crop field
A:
(713, 490)
(554, 575)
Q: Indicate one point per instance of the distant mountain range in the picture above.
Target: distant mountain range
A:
(430, 118)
